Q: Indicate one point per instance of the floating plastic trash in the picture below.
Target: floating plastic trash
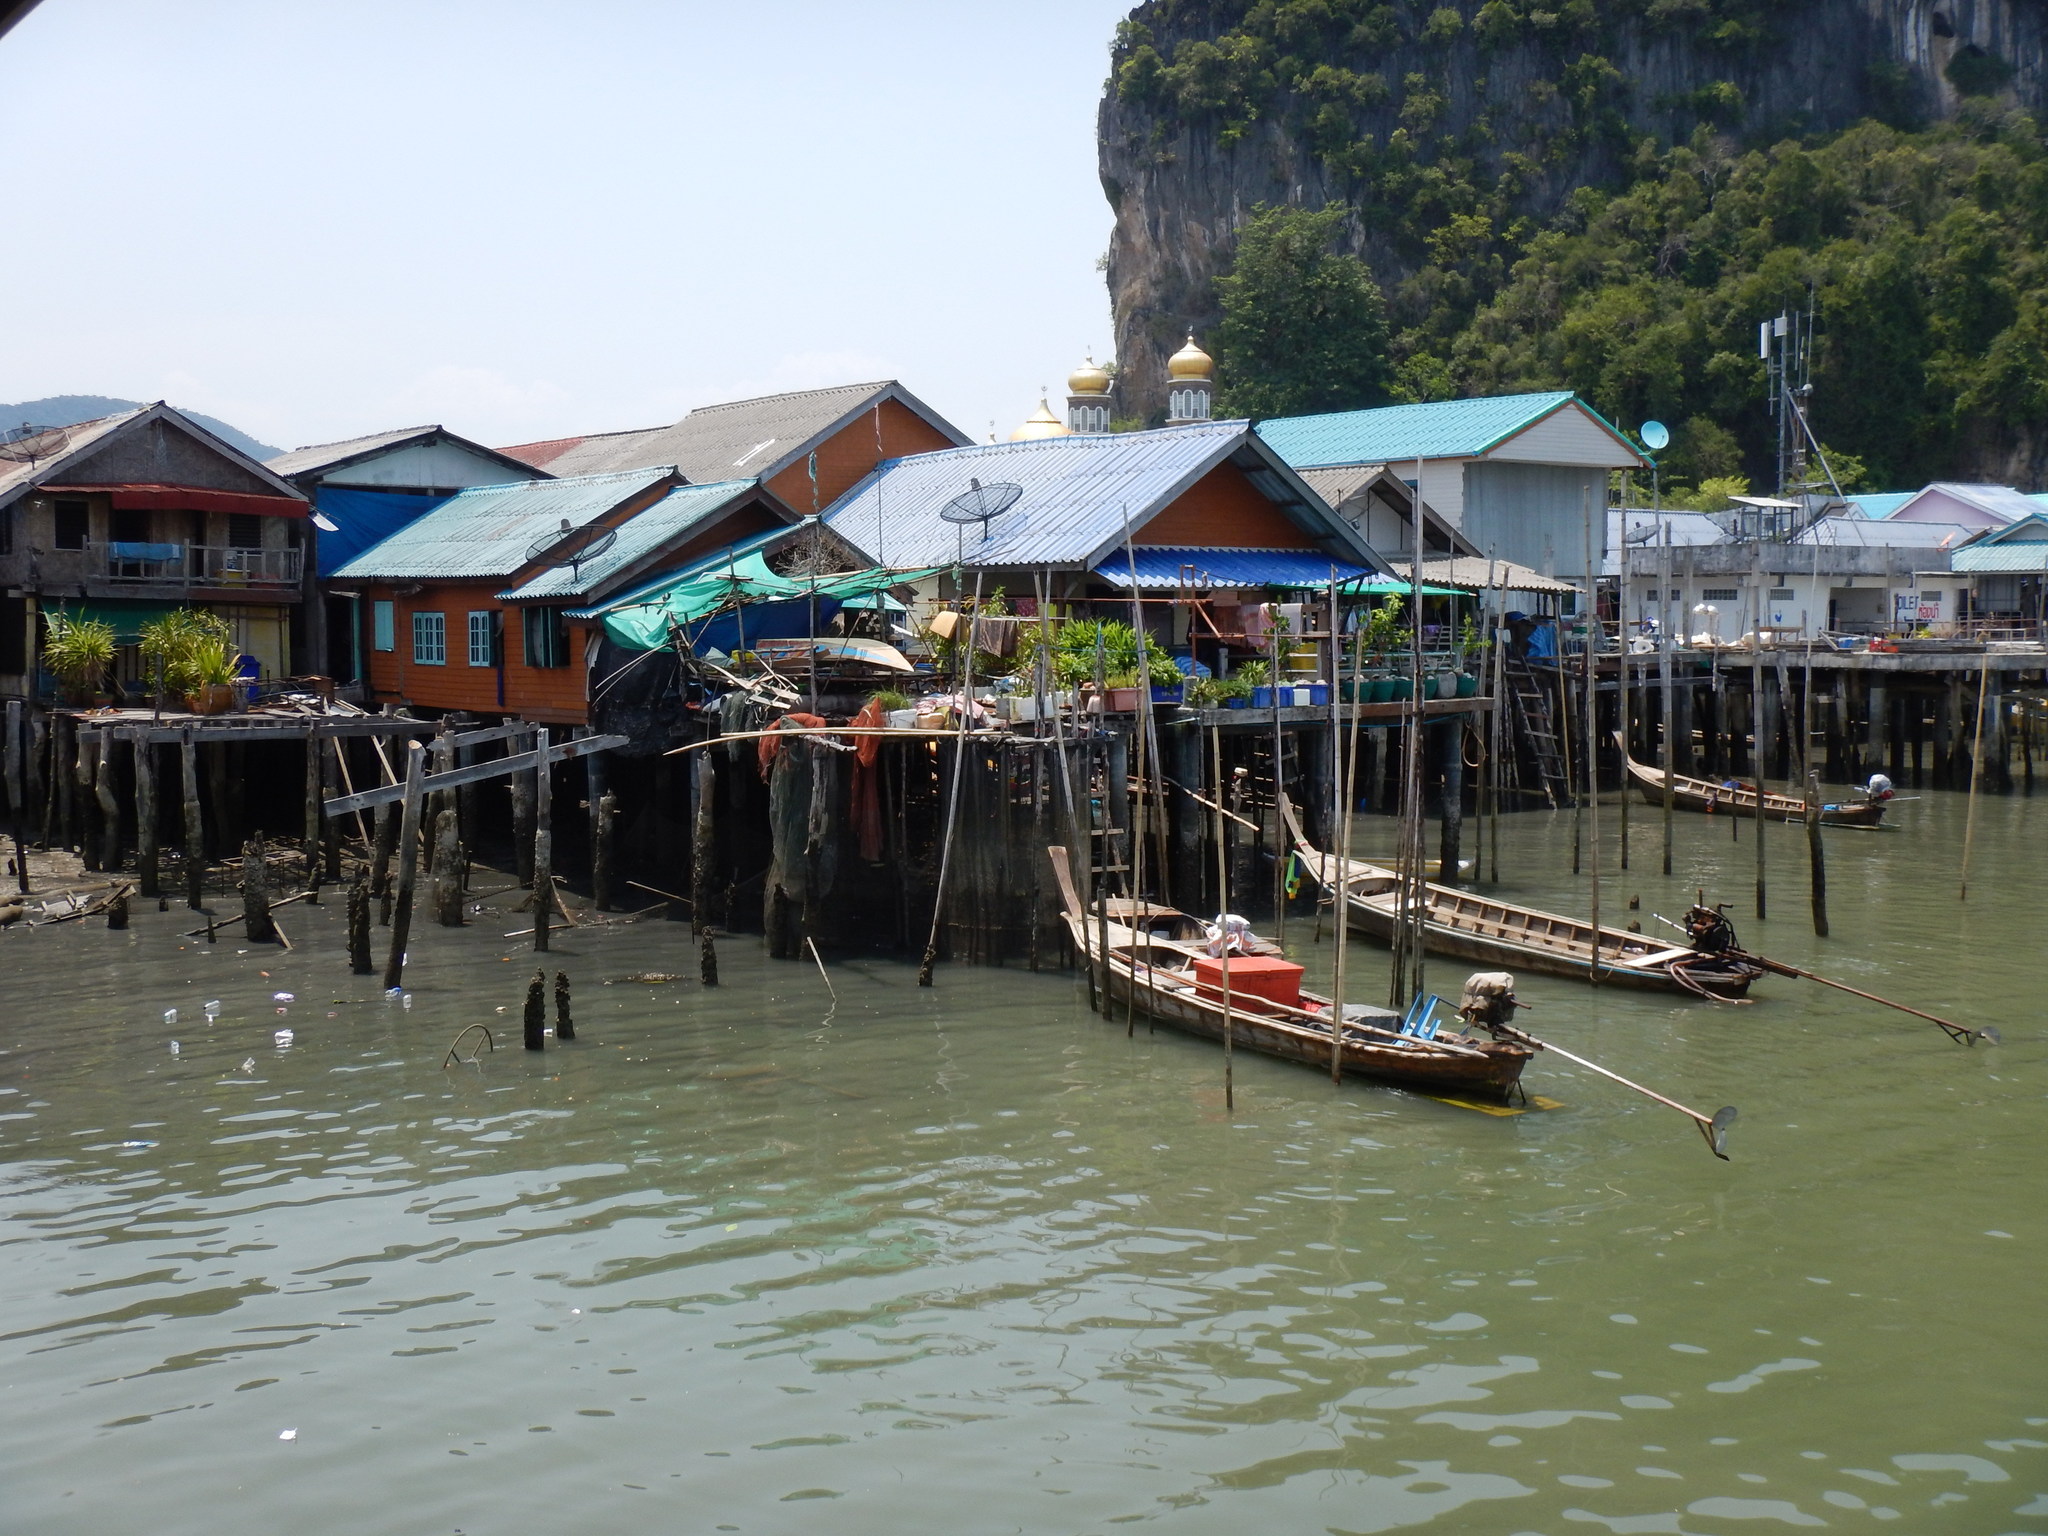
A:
(170, 1015)
(287, 1434)
(174, 1047)
(249, 1064)
(406, 1000)
(212, 1009)
(281, 1039)
(394, 992)
(283, 997)
(282, 1012)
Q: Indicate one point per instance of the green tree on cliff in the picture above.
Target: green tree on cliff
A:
(1304, 327)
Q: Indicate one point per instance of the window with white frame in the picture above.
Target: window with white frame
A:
(430, 639)
(547, 637)
(483, 638)
(383, 626)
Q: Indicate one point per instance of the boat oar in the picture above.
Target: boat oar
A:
(1713, 1127)
(1960, 1033)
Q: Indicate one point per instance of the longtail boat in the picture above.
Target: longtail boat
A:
(1155, 958)
(1737, 799)
(1495, 932)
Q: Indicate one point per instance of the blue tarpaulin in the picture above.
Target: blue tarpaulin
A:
(362, 519)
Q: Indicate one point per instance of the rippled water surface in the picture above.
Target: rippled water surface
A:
(971, 1260)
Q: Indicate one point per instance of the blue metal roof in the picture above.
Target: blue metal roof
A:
(643, 534)
(1437, 429)
(1162, 567)
(486, 530)
(1879, 504)
(1080, 494)
(362, 519)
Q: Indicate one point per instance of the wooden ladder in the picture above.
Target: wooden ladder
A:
(1535, 726)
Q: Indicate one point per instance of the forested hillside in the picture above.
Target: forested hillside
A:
(1610, 194)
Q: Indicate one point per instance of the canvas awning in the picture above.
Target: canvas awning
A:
(124, 618)
(646, 621)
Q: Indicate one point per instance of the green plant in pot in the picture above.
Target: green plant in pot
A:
(889, 699)
(176, 648)
(1253, 674)
(77, 653)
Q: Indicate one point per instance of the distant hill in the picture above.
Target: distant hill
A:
(69, 410)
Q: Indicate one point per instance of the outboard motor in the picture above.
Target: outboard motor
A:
(1489, 999)
(1708, 929)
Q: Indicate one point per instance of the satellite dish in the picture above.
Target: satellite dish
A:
(571, 546)
(981, 504)
(1656, 436)
(28, 444)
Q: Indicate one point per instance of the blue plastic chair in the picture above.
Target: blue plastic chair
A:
(1421, 1021)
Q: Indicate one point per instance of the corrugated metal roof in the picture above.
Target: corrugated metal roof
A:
(641, 535)
(1078, 492)
(1992, 559)
(1438, 429)
(320, 455)
(487, 529)
(1875, 504)
(1999, 501)
(80, 442)
(1858, 532)
(1159, 566)
(721, 442)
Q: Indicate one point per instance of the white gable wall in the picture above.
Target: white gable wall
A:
(448, 466)
(1568, 435)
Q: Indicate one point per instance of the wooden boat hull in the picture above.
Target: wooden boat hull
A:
(1499, 933)
(1691, 794)
(1461, 1067)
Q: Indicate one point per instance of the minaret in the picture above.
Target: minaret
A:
(1190, 385)
(1088, 399)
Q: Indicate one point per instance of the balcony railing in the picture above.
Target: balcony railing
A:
(200, 565)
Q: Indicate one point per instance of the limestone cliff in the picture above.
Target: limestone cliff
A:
(1458, 128)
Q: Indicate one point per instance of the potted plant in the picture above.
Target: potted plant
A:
(1168, 686)
(213, 663)
(1121, 691)
(77, 653)
(1257, 678)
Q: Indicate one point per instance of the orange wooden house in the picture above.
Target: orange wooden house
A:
(467, 607)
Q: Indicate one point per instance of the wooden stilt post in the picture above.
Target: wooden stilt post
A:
(603, 824)
(408, 865)
(1815, 858)
(1976, 773)
(18, 793)
(543, 844)
(106, 770)
(315, 820)
(703, 854)
(1593, 638)
(445, 877)
(1223, 927)
(522, 813)
(195, 823)
(148, 857)
(359, 962)
(535, 1019)
(1450, 835)
(256, 893)
(1756, 719)
(85, 745)
(565, 1023)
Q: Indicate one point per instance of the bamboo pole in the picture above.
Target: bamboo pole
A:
(1148, 805)
(543, 841)
(966, 643)
(1666, 643)
(408, 865)
(1976, 773)
(1343, 889)
(1756, 715)
(1222, 921)
(1592, 731)
(1272, 827)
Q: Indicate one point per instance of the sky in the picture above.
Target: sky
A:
(529, 220)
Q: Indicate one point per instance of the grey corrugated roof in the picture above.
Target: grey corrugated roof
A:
(641, 535)
(487, 529)
(319, 456)
(1078, 492)
(741, 438)
(1880, 533)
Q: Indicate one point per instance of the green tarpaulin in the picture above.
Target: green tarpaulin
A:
(125, 618)
(644, 625)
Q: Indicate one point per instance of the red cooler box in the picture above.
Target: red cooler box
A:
(1253, 979)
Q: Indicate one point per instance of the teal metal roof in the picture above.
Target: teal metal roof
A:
(1438, 429)
(1879, 504)
(1991, 559)
(486, 530)
(674, 517)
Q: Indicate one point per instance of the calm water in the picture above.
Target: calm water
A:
(969, 1260)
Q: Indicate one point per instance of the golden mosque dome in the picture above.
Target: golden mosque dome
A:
(1190, 362)
(1088, 379)
(1041, 423)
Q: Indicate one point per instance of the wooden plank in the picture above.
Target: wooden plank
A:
(325, 725)
(476, 773)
